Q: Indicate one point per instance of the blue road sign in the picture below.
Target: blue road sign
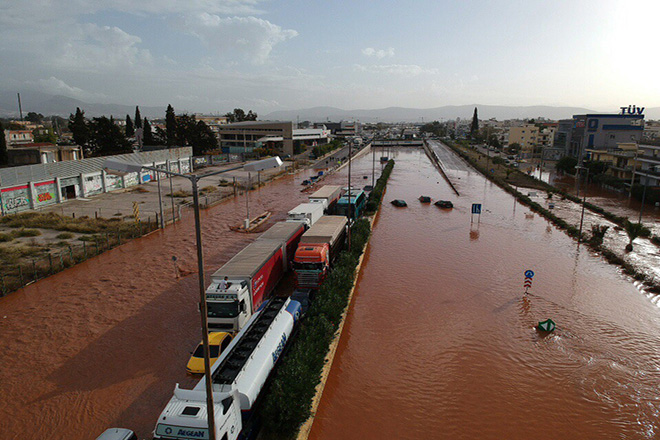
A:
(529, 274)
(476, 208)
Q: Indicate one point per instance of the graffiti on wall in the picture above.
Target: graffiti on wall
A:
(185, 166)
(93, 184)
(15, 199)
(45, 193)
(113, 182)
(131, 179)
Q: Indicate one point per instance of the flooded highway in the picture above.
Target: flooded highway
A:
(440, 342)
(103, 344)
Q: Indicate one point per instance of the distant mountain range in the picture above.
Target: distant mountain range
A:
(401, 114)
(47, 105)
(59, 105)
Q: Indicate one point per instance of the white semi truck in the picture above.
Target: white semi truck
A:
(326, 196)
(238, 377)
(252, 275)
(306, 213)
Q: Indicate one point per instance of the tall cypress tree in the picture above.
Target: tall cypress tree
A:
(474, 128)
(138, 118)
(79, 128)
(4, 158)
(170, 125)
(147, 134)
(130, 129)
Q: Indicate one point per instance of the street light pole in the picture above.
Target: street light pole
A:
(172, 197)
(203, 313)
(584, 201)
(641, 209)
(160, 201)
(350, 209)
(259, 165)
(373, 165)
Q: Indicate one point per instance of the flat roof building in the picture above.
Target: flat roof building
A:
(603, 131)
(242, 137)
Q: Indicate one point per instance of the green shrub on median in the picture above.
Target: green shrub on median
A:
(377, 192)
(288, 400)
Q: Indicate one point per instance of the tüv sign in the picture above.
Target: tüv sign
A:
(632, 110)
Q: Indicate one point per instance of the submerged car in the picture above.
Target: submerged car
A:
(399, 203)
(218, 341)
(445, 204)
(425, 199)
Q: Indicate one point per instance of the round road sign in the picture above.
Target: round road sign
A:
(529, 274)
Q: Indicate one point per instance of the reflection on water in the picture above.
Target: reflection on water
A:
(440, 341)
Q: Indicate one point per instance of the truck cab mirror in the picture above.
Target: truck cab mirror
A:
(242, 306)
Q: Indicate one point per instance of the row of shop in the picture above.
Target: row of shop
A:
(35, 195)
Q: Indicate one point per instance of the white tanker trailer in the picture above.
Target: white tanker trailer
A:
(238, 377)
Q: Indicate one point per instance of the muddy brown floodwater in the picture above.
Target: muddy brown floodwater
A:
(102, 344)
(440, 342)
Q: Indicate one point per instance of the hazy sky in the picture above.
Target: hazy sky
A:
(214, 55)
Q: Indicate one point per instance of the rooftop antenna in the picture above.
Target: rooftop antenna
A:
(20, 108)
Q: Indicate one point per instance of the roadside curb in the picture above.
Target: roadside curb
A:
(306, 428)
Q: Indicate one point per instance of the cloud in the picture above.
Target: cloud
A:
(93, 47)
(249, 37)
(378, 53)
(397, 69)
(58, 87)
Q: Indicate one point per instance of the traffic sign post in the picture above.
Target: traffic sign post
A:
(529, 274)
(476, 209)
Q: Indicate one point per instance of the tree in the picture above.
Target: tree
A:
(514, 148)
(195, 133)
(34, 117)
(633, 230)
(148, 135)
(598, 234)
(4, 158)
(106, 138)
(170, 126)
(138, 118)
(474, 128)
(49, 135)
(566, 164)
(238, 115)
(79, 128)
(130, 129)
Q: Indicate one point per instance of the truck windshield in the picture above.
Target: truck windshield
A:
(307, 266)
(222, 309)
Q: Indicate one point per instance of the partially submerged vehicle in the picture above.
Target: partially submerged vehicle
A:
(425, 199)
(445, 204)
(399, 203)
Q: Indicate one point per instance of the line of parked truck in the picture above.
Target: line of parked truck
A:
(239, 302)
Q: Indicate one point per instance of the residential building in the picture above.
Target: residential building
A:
(648, 158)
(42, 152)
(213, 122)
(652, 130)
(16, 137)
(622, 159)
(603, 131)
(533, 139)
(242, 137)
